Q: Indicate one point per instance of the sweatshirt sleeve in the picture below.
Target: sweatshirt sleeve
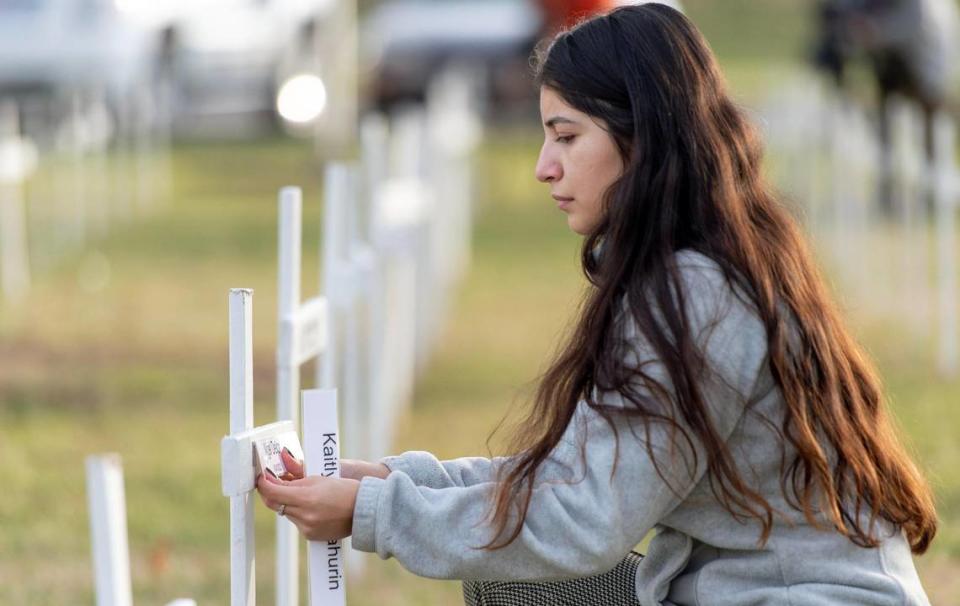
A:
(582, 518)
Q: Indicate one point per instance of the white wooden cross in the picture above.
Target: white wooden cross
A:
(327, 326)
(368, 353)
(238, 464)
(302, 337)
(238, 468)
(304, 334)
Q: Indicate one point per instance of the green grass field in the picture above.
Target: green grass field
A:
(138, 365)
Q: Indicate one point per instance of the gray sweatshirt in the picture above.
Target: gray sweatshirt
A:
(429, 513)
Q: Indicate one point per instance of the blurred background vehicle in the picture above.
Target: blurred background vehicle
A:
(54, 52)
(245, 67)
(406, 42)
(204, 67)
(231, 59)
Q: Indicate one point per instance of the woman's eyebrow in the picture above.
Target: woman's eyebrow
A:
(558, 120)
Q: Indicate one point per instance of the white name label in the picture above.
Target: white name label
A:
(321, 446)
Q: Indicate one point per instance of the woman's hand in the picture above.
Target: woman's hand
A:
(350, 469)
(321, 507)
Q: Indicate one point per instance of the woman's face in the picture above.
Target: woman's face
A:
(579, 160)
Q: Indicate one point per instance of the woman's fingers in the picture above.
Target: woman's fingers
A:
(274, 492)
(279, 491)
(268, 487)
(295, 514)
(294, 466)
(267, 501)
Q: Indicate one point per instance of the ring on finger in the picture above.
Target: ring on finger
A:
(282, 509)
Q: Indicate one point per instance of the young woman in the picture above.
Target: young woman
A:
(710, 390)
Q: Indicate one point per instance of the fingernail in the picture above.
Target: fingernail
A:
(270, 471)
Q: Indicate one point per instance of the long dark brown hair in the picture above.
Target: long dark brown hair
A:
(692, 180)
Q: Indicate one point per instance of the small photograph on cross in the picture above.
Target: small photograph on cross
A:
(267, 454)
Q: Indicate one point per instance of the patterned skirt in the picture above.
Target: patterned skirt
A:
(614, 588)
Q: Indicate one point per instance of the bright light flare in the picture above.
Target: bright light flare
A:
(302, 99)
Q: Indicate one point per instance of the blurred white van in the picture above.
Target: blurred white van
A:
(52, 50)
(232, 57)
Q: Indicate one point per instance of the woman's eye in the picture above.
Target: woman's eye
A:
(565, 139)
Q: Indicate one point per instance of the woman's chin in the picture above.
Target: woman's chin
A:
(577, 226)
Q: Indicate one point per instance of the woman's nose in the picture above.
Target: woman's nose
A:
(548, 169)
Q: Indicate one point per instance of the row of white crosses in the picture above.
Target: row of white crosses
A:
(106, 166)
(390, 254)
(94, 167)
(390, 250)
(313, 330)
(829, 161)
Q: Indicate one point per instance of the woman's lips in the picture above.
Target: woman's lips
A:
(562, 202)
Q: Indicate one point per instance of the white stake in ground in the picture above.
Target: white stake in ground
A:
(108, 530)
